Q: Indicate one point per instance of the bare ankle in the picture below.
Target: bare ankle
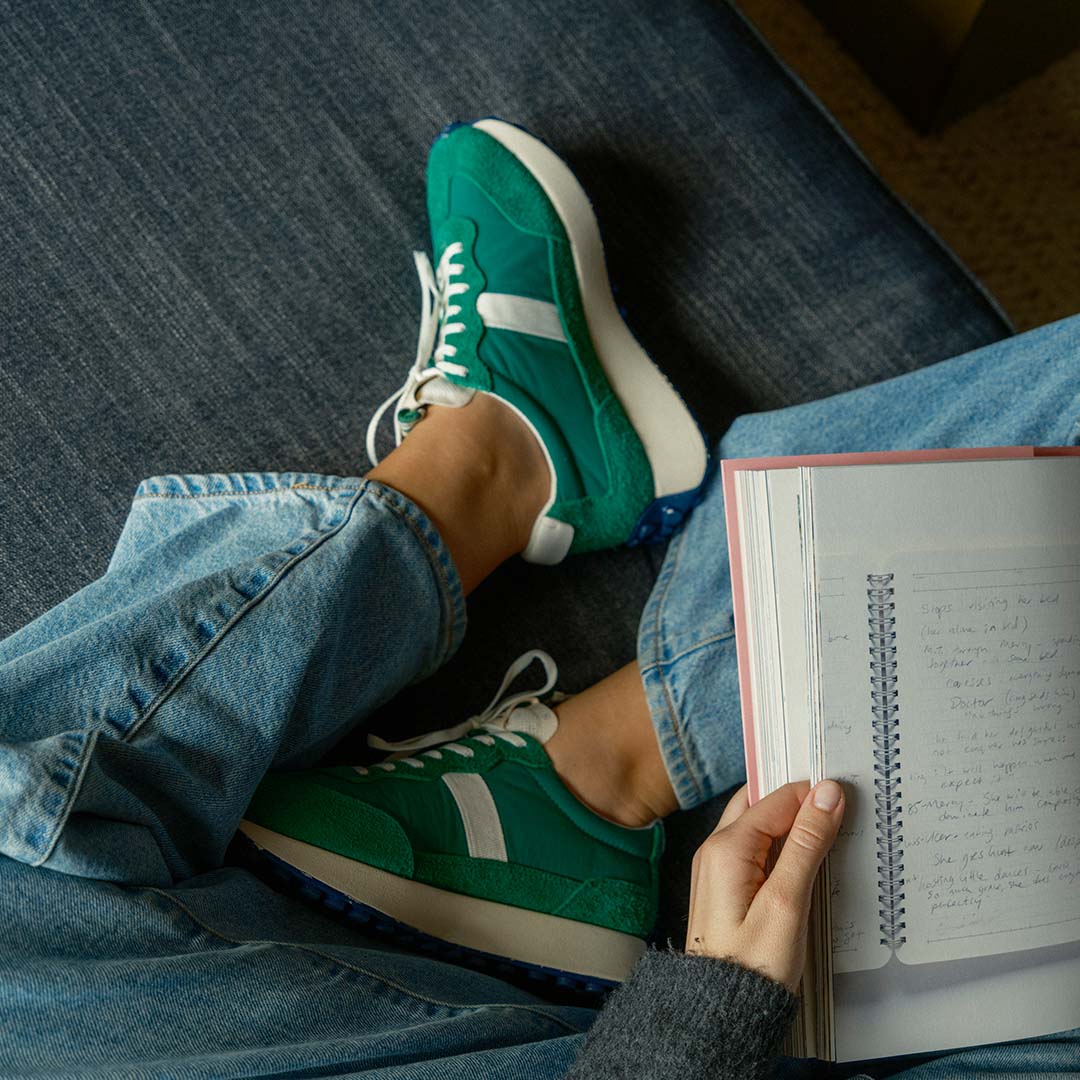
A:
(510, 463)
(479, 474)
(605, 751)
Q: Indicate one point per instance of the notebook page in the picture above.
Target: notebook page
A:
(869, 520)
(990, 743)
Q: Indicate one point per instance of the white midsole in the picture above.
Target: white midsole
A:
(516, 933)
(672, 441)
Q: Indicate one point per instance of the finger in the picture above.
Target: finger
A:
(812, 834)
(735, 807)
(732, 861)
(744, 844)
(754, 830)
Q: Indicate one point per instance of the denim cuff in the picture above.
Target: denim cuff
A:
(683, 772)
(209, 485)
(214, 485)
(691, 686)
(452, 615)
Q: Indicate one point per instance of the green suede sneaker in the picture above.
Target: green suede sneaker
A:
(472, 848)
(520, 307)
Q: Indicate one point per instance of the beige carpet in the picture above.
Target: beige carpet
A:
(1001, 186)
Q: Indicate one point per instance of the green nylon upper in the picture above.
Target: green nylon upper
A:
(562, 858)
(480, 194)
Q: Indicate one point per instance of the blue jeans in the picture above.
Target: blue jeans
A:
(247, 622)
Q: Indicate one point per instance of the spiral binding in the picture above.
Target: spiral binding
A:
(881, 610)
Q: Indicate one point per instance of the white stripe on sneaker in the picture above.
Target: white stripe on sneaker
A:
(479, 815)
(522, 314)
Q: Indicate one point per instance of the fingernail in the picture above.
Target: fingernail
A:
(827, 795)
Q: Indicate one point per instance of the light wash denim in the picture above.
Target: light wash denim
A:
(247, 621)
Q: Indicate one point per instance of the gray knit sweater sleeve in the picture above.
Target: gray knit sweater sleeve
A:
(685, 1017)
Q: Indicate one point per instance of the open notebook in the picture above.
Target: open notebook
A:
(909, 624)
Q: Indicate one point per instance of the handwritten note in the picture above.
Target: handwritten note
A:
(988, 651)
(988, 679)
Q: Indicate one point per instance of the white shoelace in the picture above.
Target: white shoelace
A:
(490, 724)
(436, 294)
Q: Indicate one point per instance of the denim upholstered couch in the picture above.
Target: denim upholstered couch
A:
(206, 217)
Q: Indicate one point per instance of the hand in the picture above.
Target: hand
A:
(739, 914)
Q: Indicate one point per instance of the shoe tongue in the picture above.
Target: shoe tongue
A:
(533, 719)
(442, 391)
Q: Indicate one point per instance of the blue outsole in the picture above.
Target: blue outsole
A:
(664, 517)
(287, 878)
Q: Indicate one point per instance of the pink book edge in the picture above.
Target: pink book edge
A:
(730, 466)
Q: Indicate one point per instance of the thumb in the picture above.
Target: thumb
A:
(812, 835)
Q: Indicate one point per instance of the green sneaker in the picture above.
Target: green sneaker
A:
(472, 848)
(520, 307)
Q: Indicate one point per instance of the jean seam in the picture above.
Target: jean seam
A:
(70, 796)
(727, 635)
(404, 990)
(242, 494)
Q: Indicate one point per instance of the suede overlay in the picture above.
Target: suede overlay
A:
(298, 806)
(618, 905)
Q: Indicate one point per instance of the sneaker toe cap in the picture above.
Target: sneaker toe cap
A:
(299, 806)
